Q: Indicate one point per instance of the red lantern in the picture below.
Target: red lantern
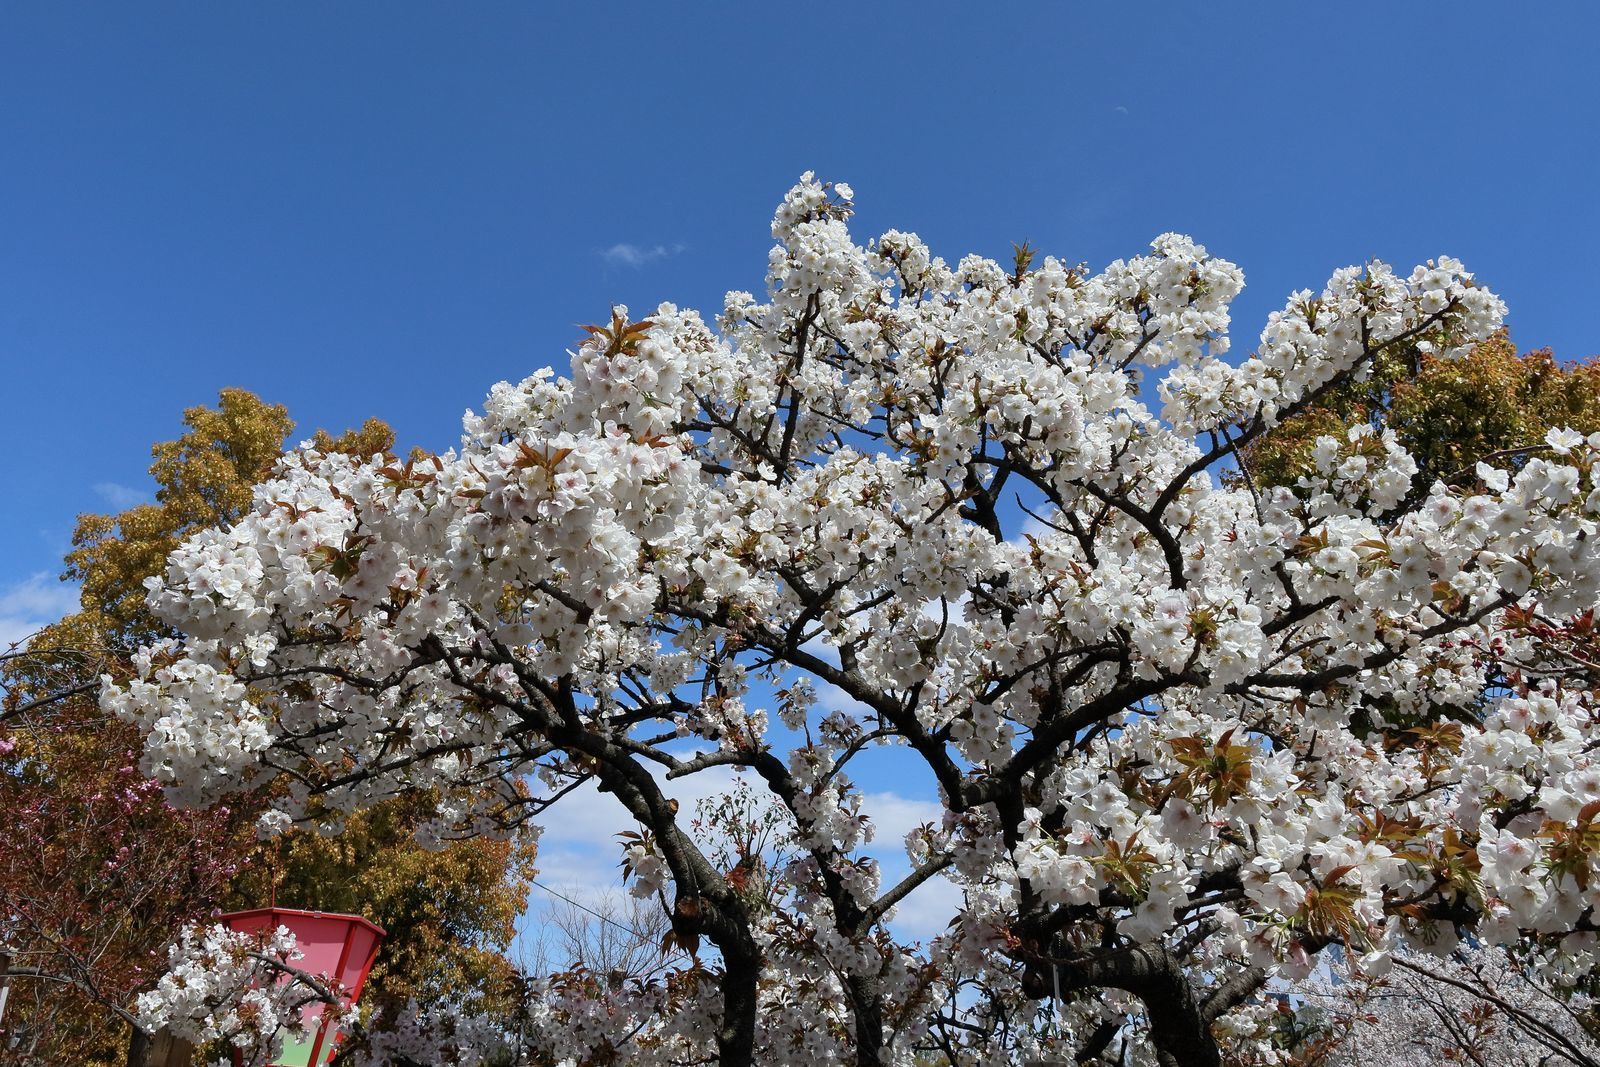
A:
(342, 947)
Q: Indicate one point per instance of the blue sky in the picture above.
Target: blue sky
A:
(382, 209)
(366, 209)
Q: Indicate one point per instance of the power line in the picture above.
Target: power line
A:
(585, 908)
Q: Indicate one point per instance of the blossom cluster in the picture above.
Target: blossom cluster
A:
(1474, 1005)
(239, 989)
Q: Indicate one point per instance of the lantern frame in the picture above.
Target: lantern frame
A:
(271, 918)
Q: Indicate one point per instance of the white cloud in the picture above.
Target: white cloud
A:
(627, 254)
(579, 851)
(819, 647)
(39, 596)
(14, 632)
(926, 912)
(1036, 528)
(578, 848)
(119, 497)
(833, 698)
(894, 816)
(28, 605)
(941, 607)
(580, 871)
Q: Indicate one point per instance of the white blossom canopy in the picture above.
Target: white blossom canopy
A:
(1187, 731)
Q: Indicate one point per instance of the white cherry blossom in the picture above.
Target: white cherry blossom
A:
(1186, 734)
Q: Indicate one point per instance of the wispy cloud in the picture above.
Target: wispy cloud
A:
(942, 608)
(893, 817)
(833, 698)
(28, 605)
(579, 850)
(626, 254)
(117, 496)
(926, 913)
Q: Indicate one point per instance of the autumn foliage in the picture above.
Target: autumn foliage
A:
(1449, 414)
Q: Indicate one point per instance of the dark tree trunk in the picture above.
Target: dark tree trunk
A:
(866, 1003)
(736, 1038)
(160, 1049)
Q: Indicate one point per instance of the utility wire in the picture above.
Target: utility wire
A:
(581, 907)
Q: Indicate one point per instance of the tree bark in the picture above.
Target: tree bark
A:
(5, 980)
(1180, 1028)
(736, 1038)
(866, 1003)
(160, 1049)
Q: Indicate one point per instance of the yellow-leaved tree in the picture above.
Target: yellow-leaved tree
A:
(1448, 413)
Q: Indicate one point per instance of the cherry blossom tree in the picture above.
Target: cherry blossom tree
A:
(1477, 1005)
(1187, 734)
(244, 991)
